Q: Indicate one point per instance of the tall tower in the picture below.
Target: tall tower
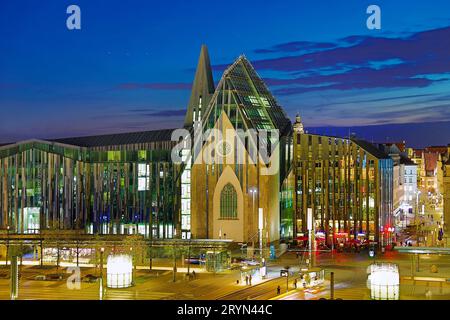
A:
(298, 125)
(202, 89)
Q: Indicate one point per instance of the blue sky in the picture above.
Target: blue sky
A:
(130, 66)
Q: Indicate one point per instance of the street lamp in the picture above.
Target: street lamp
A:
(287, 277)
(133, 259)
(417, 216)
(102, 250)
(253, 191)
(189, 258)
(7, 245)
(101, 274)
(261, 227)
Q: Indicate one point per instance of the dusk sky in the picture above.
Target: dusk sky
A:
(130, 66)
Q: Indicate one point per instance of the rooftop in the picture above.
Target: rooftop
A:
(118, 138)
(369, 147)
(406, 161)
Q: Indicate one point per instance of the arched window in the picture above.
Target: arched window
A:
(228, 202)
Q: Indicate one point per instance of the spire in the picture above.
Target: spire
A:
(298, 125)
(202, 89)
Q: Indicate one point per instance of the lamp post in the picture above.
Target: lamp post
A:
(101, 273)
(332, 285)
(287, 278)
(174, 270)
(14, 278)
(102, 250)
(189, 258)
(311, 236)
(261, 227)
(253, 192)
(134, 259)
(417, 216)
(7, 245)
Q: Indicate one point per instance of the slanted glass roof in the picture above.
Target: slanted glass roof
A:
(242, 94)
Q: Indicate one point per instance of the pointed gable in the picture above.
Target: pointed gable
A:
(202, 89)
(244, 97)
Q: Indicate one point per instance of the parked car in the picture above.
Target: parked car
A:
(192, 260)
(90, 278)
(54, 276)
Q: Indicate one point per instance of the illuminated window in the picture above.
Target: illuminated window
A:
(228, 202)
(143, 177)
(254, 100)
(265, 102)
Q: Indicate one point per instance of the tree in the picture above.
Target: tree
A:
(134, 245)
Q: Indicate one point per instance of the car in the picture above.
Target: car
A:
(40, 277)
(54, 276)
(90, 278)
(192, 260)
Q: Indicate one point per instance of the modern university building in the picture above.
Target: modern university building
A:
(246, 174)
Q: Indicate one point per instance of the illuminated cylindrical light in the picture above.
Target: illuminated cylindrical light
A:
(384, 281)
(119, 272)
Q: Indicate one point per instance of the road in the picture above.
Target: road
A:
(350, 271)
(263, 291)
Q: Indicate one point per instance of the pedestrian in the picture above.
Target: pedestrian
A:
(278, 290)
(250, 279)
(193, 274)
(246, 280)
(295, 283)
(237, 281)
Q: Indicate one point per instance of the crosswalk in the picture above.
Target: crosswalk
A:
(352, 294)
(52, 290)
(121, 294)
(344, 294)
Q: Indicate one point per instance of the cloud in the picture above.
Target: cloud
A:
(296, 46)
(359, 62)
(156, 86)
(419, 113)
(417, 135)
(166, 113)
(141, 113)
(157, 112)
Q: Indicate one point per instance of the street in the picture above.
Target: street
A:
(350, 271)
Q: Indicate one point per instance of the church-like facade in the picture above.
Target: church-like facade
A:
(235, 183)
(248, 174)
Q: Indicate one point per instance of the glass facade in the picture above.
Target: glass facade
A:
(52, 186)
(127, 183)
(346, 183)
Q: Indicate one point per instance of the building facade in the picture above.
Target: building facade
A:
(234, 193)
(347, 183)
(405, 183)
(114, 184)
(444, 187)
(246, 173)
